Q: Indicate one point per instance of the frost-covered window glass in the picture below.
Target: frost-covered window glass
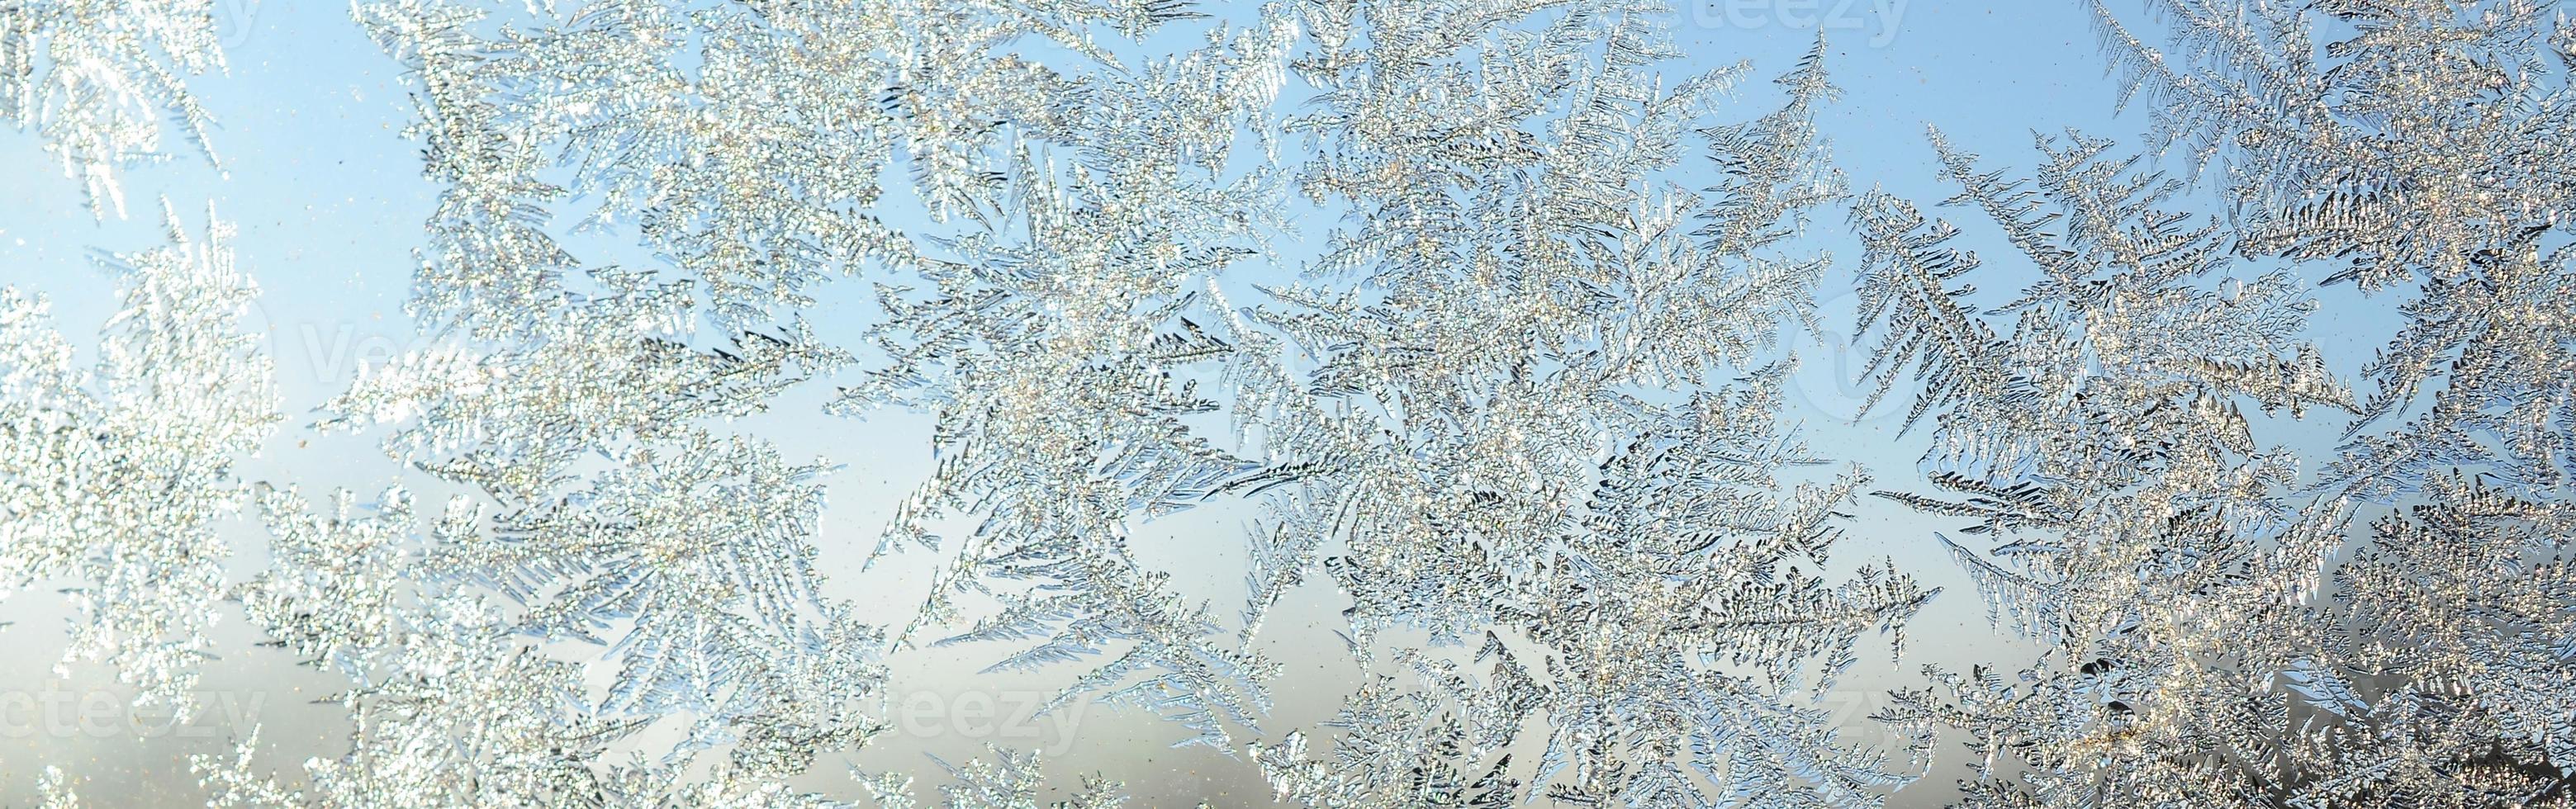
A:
(1334, 404)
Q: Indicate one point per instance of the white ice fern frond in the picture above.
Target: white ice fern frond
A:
(112, 478)
(98, 79)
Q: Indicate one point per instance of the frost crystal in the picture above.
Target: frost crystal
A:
(2216, 631)
(1421, 292)
(1506, 439)
(97, 78)
(112, 478)
(448, 710)
(1010, 781)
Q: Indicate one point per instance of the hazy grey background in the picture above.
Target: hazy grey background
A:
(329, 204)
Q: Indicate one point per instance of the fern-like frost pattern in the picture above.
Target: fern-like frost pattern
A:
(1470, 319)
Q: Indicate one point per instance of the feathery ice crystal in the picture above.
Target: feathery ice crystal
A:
(1422, 293)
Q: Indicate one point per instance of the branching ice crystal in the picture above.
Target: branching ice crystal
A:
(2102, 443)
(1010, 781)
(1054, 351)
(1093, 203)
(97, 79)
(1509, 438)
(112, 478)
(2219, 634)
(448, 709)
(1522, 413)
(687, 550)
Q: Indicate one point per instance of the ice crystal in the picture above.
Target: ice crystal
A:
(1509, 438)
(57, 790)
(690, 551)
(2217, 632)
(448, 709)
(1521, 411)
(1012, 780)
(112, 478)
(1070, 320)
(2101, 443)
(1054, 349)
(687, 554)
(97, 79)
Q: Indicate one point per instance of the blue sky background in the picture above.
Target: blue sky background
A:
(329, 204)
